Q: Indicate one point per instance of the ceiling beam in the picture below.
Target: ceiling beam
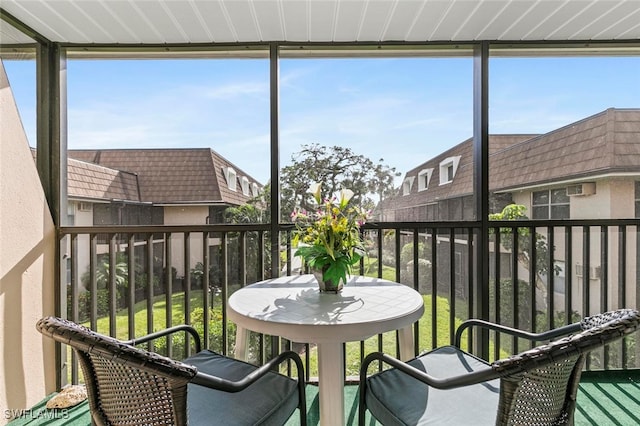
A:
(22, 27)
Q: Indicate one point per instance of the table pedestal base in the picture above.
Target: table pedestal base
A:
(331, 378)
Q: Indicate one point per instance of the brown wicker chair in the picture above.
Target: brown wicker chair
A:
(131, 386)
(448, 386)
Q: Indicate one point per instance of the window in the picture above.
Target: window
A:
(255, 189)
(127, 214)
(424, 176)
(216, 214)
(551, 204)
(468, 208)
(443, 210)
(231, 177)
(245, 185)
(407, 184)
(71, 214)
(432, 211)
(448, 168)
(455, 209)
(84, 207)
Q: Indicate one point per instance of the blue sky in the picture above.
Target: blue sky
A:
(402, 110)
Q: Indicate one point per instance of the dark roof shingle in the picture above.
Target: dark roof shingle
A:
(173, 176)
(607, 142)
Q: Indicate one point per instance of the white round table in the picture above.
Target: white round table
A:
(293, 308)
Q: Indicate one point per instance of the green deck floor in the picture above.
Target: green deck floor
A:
(604, 398)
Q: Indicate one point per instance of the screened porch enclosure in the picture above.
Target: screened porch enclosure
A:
(469, 109)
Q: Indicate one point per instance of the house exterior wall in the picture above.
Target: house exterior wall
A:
(185, 215)
(27, 258)
(81, 218)
(613, 199)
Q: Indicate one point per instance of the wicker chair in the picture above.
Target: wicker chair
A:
(131, 386)
(535, 387)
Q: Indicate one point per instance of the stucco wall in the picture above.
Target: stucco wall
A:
(185, 215)
(614, 199)
(27, 250)
(80, 218)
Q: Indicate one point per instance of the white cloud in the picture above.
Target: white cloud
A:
(236, 90)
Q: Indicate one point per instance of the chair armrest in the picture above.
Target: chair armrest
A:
(471, 378)
(166, 332)
(536, 337)
(214, 382)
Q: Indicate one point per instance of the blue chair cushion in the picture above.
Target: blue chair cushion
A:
(269, 401)
(395, 398)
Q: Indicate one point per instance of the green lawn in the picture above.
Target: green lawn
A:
(371, 270)
(159, 315)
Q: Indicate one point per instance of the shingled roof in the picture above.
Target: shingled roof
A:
(173, 176)
(462, 183)
(91, 182)
(606, 143)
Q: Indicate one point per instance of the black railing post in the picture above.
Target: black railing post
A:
(111, 285)
(622, 279)
(568, 274)
(224, 289)
(168, 286)
(551, 277)
(497, 233)
(75, 284)
(149, 290)
(186, 286)
(131, 280)
(206, 287)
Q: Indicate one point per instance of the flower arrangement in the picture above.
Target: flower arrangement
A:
(330, 236)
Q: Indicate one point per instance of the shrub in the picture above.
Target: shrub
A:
(84, 304)
(197, 322)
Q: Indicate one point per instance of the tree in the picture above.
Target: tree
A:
(103, 274)
(525, 249)
(246, 213)
(334, 168)
(256, 210)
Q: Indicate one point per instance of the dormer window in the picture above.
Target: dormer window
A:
(407, 184)
(231, 177)
(244, 182)
(448, 168)
(424, 176)
(255, 189)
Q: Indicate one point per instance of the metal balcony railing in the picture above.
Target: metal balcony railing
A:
(131, 280)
